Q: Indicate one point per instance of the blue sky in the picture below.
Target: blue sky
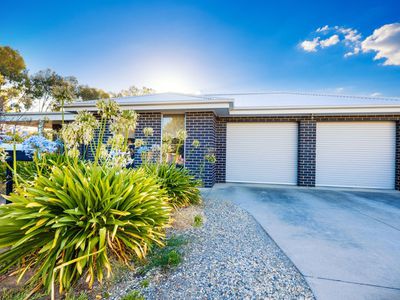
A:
(209, 46)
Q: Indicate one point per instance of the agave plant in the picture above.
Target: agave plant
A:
(182, 188)
(68, 224)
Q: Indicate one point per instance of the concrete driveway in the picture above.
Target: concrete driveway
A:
(345, 242)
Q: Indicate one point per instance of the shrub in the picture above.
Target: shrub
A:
(181, 187)
(68, 224)
(134, 295)
(198, 221)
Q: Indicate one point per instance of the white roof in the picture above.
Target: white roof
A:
(157, 98)
(15, 117)
(165, 102)
(299, 99)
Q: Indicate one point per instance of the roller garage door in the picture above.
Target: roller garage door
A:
(356, 154)
(261, 152)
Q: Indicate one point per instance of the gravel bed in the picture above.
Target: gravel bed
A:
(229, 257)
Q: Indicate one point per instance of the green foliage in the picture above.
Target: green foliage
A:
(198, 221)
(51, 90)
(134, 295)
(81, 296)
(68, 224)
(18, 294)
(145, 283)
(181, 187)
(28, 170)
(88, 93)
(134, 91)
(166, 257)
(13, 76)
(11, 63)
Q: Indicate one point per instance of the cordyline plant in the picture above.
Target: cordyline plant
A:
(67, 223)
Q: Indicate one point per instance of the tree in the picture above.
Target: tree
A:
(13, 76)
(51, 90)
(134, 91)
(88, 93)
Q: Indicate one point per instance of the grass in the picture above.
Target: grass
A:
(18, 294)
(198, 221)
(145, 283)
(81, 296)
(134, 295)
(166, 257)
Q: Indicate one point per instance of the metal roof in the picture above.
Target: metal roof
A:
(156, 98)
(300, 99)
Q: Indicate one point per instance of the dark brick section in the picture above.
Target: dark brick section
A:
(220, 166)
(397, 175)
(307, 134)
(201, 126)
(152, 120)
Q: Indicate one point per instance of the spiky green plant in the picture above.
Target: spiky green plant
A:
(68, 224)
(182, 188)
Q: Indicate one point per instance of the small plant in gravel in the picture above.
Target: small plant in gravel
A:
(133, 295)
(198, 221)
(81, 296)
(145, 283)
(166, 257)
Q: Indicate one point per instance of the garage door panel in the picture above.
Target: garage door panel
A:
(355, 154)
(261, 152)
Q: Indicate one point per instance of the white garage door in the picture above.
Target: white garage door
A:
(261, 152)
(356, 154)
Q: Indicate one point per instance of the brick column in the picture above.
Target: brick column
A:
(397, 175)
(200, 126)
(221, 151)
(152, 120)
(306, 153)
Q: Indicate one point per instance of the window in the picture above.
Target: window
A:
(173, 148)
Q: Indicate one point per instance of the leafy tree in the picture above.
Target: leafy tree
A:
(51, 90)
(13, 78)
(134, 91)
(88, 93)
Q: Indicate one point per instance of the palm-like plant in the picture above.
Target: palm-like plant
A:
(68, 224)
(181, 186)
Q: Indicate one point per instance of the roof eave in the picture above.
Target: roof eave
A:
(316, 110)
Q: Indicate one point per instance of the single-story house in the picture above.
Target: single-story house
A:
(294, 138)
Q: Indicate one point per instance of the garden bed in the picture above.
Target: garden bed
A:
(230, 256)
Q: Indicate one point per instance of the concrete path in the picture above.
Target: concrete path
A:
(345, 242)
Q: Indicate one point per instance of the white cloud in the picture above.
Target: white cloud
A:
(355, 51)
(385, 41)
(376, 95)
(322, 29)
(333, 40)
(350, 34)
(310, 46)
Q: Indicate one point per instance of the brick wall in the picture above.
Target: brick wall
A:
(397, 174)
(307, 134)
(201, 126)
(211, 132)
(220, 166)
(152, 120)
